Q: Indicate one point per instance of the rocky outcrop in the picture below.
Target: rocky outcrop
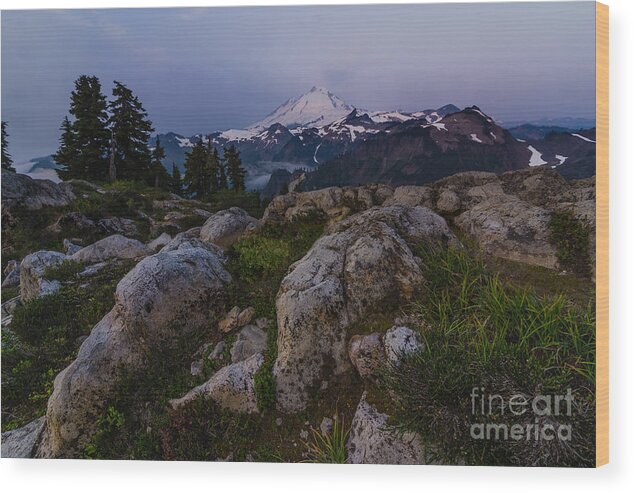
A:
(371, 441)
(510, 228)
(332, 203)
(232, 387)
(118, 225)
(73, 221)
(20, 443)
(411, 195)
(111, 247)
(33, 284)
(362, 263)
(225, 227)
(163, 298)
(22, 190)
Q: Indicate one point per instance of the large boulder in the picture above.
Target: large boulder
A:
(111, 247)
(363, 263)
(20, 443)
(164, 298)
(190, 239)
(371, 441)
(510, 228)
(33, 284)
(232, 387)
(225, 227)
(22, 190)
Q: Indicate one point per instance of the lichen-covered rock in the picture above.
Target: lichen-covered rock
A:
(232, 387)
(362, 263)
(400, 341)
(12, 274)
(20, 443)
(165, 297)
(371, 441)
(225, 227)
(411, 196)
(250, 340)
(448, 202)
(22, 190)
(159, 242)
(32, 269)
(111, 247)
(366, 353)
(510, 228)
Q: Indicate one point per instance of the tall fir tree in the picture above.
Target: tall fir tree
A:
(213, 167)
(176, 185)
(67, 154)
(87, 135)
(131, 131)
(159, 177)
(7, 162)
(234, 168)
(196, 179)
(223, 184)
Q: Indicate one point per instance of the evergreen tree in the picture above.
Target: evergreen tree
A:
(222, 175)
(6, 157)
(131, 131)
(176, 181)
(159, 177)
(67, 154)
(85, 142)
(213, 167)
(196, 176)
(234, 168)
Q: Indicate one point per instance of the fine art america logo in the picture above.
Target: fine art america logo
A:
(517, 417)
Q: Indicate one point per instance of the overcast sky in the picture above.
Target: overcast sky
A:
(206, 69)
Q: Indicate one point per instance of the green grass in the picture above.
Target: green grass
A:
(482, 332)
(64, 272)
(329, 447)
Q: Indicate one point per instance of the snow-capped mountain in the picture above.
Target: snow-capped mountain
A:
(315, 108)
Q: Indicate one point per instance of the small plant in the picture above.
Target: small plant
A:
(571, 237)
(328, 447)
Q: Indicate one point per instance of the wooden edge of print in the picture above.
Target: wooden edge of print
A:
(602, 235)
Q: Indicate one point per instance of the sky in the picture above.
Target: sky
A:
(207, 69)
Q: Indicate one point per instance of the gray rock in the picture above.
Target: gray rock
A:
(159, 242)
(91, 270)
(70, 248)
(510, 228)
(366, 353)
(196, 368)
(190, 239)
(411, 196)
(231, 387)
(9, 306)
(250, 340)
(22, 190)
(20, 443)
(448, 202)
(166, 296)
(400, 341)
(32, 282)
(225, 227)
(218, 350)
(325, 427)
(361, 264)
(111, 247)
(118, 225)
(371, 441)
(12, 274)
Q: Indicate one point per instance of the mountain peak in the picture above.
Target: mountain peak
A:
(316, 107)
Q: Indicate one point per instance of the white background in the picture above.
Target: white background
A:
(111, 476)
